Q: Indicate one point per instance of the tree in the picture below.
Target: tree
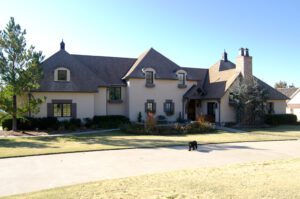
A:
(249, 100)
(20, 71)
(281, 84)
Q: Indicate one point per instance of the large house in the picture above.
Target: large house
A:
(83, 86)
(293, 104)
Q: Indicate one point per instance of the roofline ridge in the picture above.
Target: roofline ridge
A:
(103, 56)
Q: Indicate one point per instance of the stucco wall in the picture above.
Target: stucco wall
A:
(228, 113)
(118, 108)
(279, 106)
(202, 109)
(294, 104)
(84, 101)
(295, 99)
(163, 90)
(100, 101)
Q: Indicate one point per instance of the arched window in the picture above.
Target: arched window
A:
(181, 75)
(149, 77)
(62, 74)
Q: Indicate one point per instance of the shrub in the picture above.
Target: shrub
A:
(75, 122)
(29, 123)
(110, 121)
(139, 119)
(150, 123)
(277, 119)
(88, 122)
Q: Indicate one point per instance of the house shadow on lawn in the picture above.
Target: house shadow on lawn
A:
(11, 143)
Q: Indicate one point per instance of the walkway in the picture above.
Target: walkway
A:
(27, 174)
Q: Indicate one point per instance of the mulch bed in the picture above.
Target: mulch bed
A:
(22, 133)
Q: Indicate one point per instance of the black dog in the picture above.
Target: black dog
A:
(193, 145)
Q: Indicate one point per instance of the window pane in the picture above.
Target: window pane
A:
(62, 75)
(66, 110)
(57, 110)
(115, 93)
(181, 78)
(168, 107)
(149, 77)
(150, 106)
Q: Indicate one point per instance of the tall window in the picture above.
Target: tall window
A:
(149, 77)
(270, 107)
(62, 75)
(62, 110)
(169, 107)
(181, 78)
(150, 106)
(115, 93)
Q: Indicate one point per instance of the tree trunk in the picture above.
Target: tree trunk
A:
(14, 115)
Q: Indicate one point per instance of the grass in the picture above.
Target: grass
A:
(273, 179)
(14, 147)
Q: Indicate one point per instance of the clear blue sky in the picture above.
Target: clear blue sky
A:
(191, 33)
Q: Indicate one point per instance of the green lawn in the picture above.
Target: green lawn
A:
(275, 179)
(13, 147)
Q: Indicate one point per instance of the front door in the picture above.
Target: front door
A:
(211, 111)
(191, 111)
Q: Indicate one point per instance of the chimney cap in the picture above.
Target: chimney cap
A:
(224, 56)
(62, 45)
(242, 52)
(246, 52)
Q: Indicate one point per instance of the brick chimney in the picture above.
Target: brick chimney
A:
(244, 63)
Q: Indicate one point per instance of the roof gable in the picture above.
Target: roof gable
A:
(82, 78)
(164, 67)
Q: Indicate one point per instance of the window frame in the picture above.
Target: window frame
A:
(171, 105)
(58, 75)
(151, 80)
(112, 93)
(153, 106)
(62, 109)
(183, 81)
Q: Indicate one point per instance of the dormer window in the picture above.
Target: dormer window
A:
(62, 74)
(181, 79)
(149, 77)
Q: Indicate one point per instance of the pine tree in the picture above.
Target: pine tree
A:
(20, 71)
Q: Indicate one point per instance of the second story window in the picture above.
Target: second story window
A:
(115, 94)
(62, 75)
(181, 78)
(149, 77)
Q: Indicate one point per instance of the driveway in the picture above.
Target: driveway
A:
(27, 174)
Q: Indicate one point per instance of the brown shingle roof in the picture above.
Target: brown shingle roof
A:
(82, 78)
(288, 91)
(109, 69)
(220, 77)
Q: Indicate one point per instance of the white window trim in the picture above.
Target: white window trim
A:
(56, 74)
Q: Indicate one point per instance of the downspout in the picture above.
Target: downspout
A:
(183, 113)
(219, 101)
(106, 100)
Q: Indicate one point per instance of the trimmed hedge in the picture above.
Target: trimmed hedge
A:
(29, 123)
(277, 119)
(52, 123)
(110, 121)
